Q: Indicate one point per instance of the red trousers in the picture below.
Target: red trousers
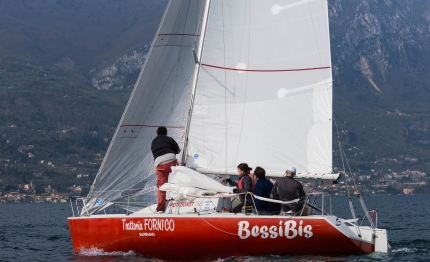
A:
(163, 172)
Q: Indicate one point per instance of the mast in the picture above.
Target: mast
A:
(197, 57)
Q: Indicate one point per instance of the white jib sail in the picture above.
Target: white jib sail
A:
(264, 92)
(160, 98)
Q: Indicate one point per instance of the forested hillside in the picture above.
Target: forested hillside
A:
(54, 124)
(380, 53)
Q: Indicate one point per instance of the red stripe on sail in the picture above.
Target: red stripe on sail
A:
(267, 71)
(154, 126)
(177, 35)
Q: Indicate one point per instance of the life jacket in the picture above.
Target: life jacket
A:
(240, 184)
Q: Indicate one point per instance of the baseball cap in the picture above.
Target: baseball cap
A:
(291, 170)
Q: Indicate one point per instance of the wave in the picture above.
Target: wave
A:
(405, 250)
(94, 252)
(415, 246)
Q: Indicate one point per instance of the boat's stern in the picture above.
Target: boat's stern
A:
(378, 237)
(381, 240)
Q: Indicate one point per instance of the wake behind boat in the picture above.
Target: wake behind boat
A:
(234, 81)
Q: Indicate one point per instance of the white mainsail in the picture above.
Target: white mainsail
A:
(160, 98)
(264, 91)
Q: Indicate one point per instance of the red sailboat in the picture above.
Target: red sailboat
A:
(233, 81)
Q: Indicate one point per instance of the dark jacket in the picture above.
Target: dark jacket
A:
(162, 145)
(263, 188)
(287, 189)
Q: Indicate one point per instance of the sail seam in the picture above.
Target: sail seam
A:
(268, 70)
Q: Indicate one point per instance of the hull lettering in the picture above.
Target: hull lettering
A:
(151, 224)
(288, 229)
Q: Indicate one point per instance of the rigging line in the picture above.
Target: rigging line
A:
(268, 70)
(196, 72)
(166, 81)
(313, 27)
(151, 78)
(327, 88)
(247, 75)
(199, 14)
(225, 86)
(218, 228)
(175, 84)
(160, 93)
(184, 74)
(363, 205)
(349, 197)
(346, 176)
(199, 22)
(328, 29)
(177, 64)
(186, 19)
(343, 155)
(316, 196)
(183, 133)
(347, 163)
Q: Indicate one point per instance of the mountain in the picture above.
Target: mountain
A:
(382, 82)
(67, 69)
(87, 33)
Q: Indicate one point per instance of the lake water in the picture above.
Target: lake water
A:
(39, 232)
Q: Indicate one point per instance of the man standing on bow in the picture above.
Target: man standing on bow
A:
(287, 189)
(164, 149)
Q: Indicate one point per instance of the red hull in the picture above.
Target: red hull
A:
(208, 237)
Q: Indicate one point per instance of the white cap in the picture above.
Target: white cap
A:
(291, 170)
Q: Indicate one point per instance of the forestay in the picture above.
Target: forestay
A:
(160, 98)
(264, 91)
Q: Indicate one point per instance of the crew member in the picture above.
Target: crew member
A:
(287, 189)
(263, 188)
(245, 184)
(164, 149)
